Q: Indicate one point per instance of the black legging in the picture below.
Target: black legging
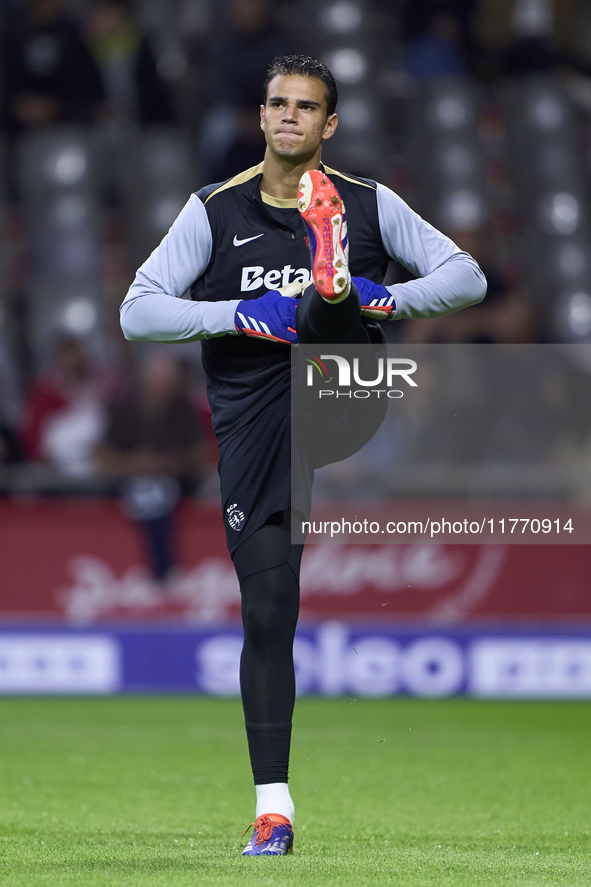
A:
(268, 568)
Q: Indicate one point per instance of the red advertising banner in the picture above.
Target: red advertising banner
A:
(82, 561)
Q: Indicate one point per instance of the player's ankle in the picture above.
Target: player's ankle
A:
(274, 797)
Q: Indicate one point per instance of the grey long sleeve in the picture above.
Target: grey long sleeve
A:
(153, 309)
(448, 279)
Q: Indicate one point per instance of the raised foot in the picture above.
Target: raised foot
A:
(323, 212)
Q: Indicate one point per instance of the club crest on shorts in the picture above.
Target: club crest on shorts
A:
(235, 517)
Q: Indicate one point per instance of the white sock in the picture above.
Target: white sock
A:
(274, 797)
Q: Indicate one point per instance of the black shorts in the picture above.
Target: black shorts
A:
(255, 464)
(254, 467)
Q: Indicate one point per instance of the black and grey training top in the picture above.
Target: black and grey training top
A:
(231, 242)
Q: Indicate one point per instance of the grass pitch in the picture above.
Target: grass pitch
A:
(151, 791)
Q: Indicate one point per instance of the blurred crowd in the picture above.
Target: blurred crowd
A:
(118, 69)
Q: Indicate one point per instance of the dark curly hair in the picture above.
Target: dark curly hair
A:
(303, 66)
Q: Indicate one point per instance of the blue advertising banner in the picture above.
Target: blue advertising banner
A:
(332, 658)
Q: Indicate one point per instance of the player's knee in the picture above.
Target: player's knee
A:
(269, 607)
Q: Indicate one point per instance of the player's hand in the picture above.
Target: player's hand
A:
(376, 301)
(271, 317)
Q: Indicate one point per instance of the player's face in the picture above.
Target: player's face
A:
(294, 117)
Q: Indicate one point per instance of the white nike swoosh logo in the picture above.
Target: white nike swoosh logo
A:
(237, 242)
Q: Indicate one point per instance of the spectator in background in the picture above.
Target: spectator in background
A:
(248, 40)
(439, 34)
(10, 450)
(155, 444)
(134, 89)
(135, 92)
(64, 415)
(50, 75)
(437, 51)
(528, 36)
(245, 48)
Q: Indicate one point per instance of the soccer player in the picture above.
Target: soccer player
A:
(235, 245)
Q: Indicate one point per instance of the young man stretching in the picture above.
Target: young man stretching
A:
(235, 245)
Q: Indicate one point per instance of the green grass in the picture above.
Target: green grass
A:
(157, 792)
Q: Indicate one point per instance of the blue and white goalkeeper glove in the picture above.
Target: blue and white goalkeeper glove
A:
(271, 317)
(376, 301)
